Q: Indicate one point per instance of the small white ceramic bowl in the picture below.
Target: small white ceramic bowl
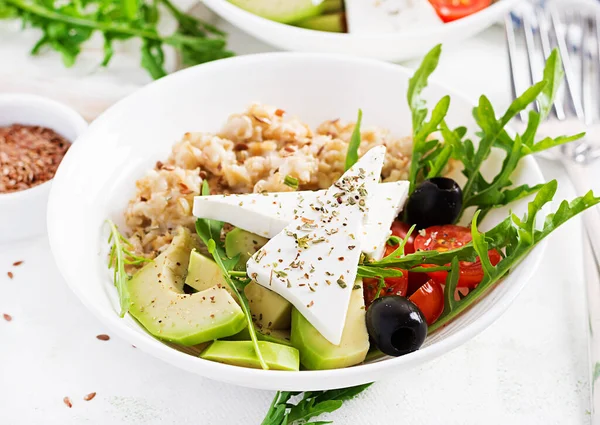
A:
(385, 46)
(23, 213)
(98, 176)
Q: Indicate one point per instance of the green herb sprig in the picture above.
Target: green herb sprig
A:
(431, 155)
(311, 405)
(120, 255)
(209, 232)
(352, 154)
(67, 25)
(291, 182)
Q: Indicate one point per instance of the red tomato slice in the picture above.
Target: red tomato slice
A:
(400, 230)
(393, 286)
(430, 300)
(447, 237)
(415, 281)
(451, 10)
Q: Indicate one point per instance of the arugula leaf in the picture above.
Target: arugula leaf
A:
(211, 230)
(120, 255)
(426, 153)
(312, 404)
(66, 25)
(352, 155)
(241, 296)
(481, 193)
(450, 288)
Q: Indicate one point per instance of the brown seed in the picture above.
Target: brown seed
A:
(279, 112)
(17, 263)
(10, 275)
(89, 396)
(29, 156)
(7, 317)
(67, 402)
(103, 337)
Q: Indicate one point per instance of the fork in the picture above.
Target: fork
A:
(576, 34)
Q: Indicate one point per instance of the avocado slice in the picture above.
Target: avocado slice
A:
(278, 337)
(317, 353)
(332, 6)
(203, 273)
(241, 242)
(333, 22)
(241, 353)
(284, 11)
(160, 305)
(269, 309)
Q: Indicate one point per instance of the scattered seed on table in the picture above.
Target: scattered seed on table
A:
(17, 263)
(89, 396)
(67, 402)
(103, 337)
(10, 275)
(7, 317)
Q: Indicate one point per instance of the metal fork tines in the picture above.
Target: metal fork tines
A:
(575, 34)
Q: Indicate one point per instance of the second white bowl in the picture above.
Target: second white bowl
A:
(385, 46)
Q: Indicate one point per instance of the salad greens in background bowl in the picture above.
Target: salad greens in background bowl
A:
(500, 179)
(391, 30)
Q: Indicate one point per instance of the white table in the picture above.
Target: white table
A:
(528, 368)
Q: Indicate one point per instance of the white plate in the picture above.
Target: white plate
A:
(98, 175)
(386, 46)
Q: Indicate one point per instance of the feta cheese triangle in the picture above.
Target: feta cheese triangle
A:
(267, 214)
(313, 262)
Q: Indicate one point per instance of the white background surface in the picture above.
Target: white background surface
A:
(530, 367)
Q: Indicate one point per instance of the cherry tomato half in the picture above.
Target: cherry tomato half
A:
(451, 10)
(393, 286)
(400, 229)
(444, 238)
(430, 300)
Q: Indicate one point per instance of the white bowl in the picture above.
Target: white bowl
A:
(385, 46)
(23, 213)
(98, 176)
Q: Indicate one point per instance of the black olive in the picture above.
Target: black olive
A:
(396, 325)
(434, 202)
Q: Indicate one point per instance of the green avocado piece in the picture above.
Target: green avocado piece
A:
(269, 309)
(241, 353)
(284, 11)
(241, 242)
(332, 6)
(203, 273)
(160, 305)
(278, 337)
(317, 353)
(333, 22)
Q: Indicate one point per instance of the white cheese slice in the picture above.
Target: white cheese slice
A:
(388, 200)
(313, 262)
(386, 16)
(268, 214)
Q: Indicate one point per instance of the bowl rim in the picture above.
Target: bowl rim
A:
(69, 115)
(302, 380)
(495, 9)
